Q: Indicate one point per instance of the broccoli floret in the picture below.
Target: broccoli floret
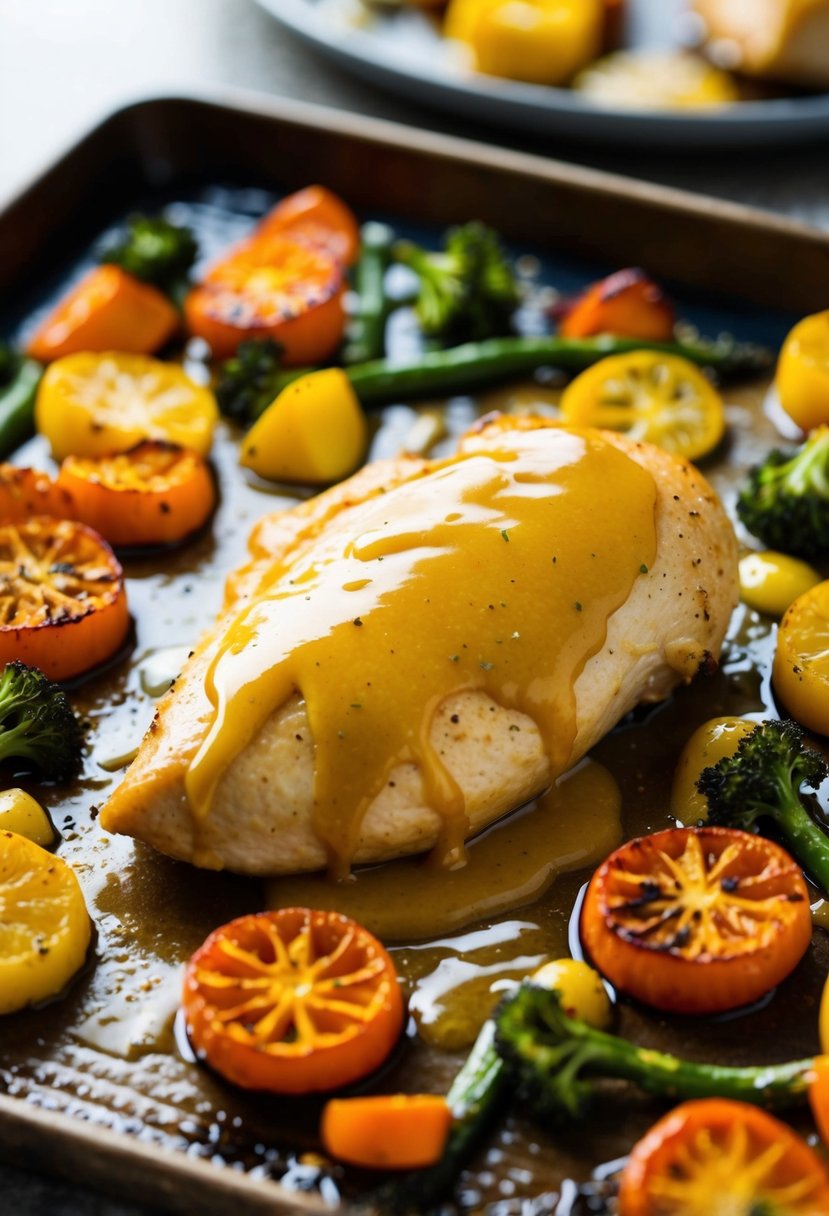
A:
(249, 381)
(155, 251)
(553, 1061)
(758, 788)
(37, 724)
(469, 291)
(786, 500)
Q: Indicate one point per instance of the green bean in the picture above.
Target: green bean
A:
(367, 327)
(17, 406)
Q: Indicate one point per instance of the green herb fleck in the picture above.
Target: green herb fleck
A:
(485, 666)
(643, 569)
(578, 606)
(505, 534)
(356, 705)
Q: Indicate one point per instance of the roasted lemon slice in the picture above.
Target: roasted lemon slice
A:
(659, 398)
(44, 925)
(801, 661)
(96, 404)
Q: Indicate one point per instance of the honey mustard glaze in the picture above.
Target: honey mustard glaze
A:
(493, 570)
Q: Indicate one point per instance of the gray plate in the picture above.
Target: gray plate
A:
(402, 53)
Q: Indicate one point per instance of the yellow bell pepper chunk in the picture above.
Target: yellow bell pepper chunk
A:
(802, 379)
(770, 582)
(21, 813)
(656, 80)
(44, 926)
(315, 432)
(539, 41)
(96, 404)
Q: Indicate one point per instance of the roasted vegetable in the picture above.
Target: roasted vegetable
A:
(37, 724)
(553, 1061)
(19, 378)
(626, 303)
(800, 672)
(155, 251)
(367, 326)
(786, 499)
(387, 1131)
(467, 292)
(249, 381)
(759, 788)
(463, 368)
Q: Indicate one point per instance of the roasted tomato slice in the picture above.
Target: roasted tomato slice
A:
(819, 1095)
(294, 1001)
(108, 310)
(627, 304)
(63, 607)
(318, 217)
(28, 492)
(720, 1158)
(697, 920)
(275, 288)
(157, 493)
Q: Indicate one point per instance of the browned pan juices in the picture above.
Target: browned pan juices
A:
(106, 1053)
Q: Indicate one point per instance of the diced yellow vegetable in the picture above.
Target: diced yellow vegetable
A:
(540, 41)
(656, 80)
(770, 581)
(315, 432)
(21, 813)
(96, 404)
(44, 926)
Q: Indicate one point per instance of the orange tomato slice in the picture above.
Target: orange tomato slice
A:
(280, 289)
(155, 493)
(108, 310)
(697, 920)
(294, 1001)
(63, 607)
(715, 1157)
(318, 217)
(28, 492)
(626, 303)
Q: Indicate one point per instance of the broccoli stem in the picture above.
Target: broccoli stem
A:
(474, 1097)
(475, 364)
(367, 328)
(17, 405)
(667, 1076)
(809, 843)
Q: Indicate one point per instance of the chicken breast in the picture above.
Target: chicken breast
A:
(784, 40)
(663, 547)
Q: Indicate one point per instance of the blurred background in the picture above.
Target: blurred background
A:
(65, 63)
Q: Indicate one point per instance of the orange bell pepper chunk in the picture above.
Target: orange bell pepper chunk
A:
(627, 304)
(107, 310)
(387, 1132)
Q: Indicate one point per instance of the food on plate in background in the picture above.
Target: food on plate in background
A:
(655, 80)
(401, 699)
(540, 41)
(785, 40)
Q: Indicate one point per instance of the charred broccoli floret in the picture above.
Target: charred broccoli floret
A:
(250, 380)
(786, 499)
(468, 292)
(759, 789)
(554, 1061)
(37, 724)
(154, 250)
